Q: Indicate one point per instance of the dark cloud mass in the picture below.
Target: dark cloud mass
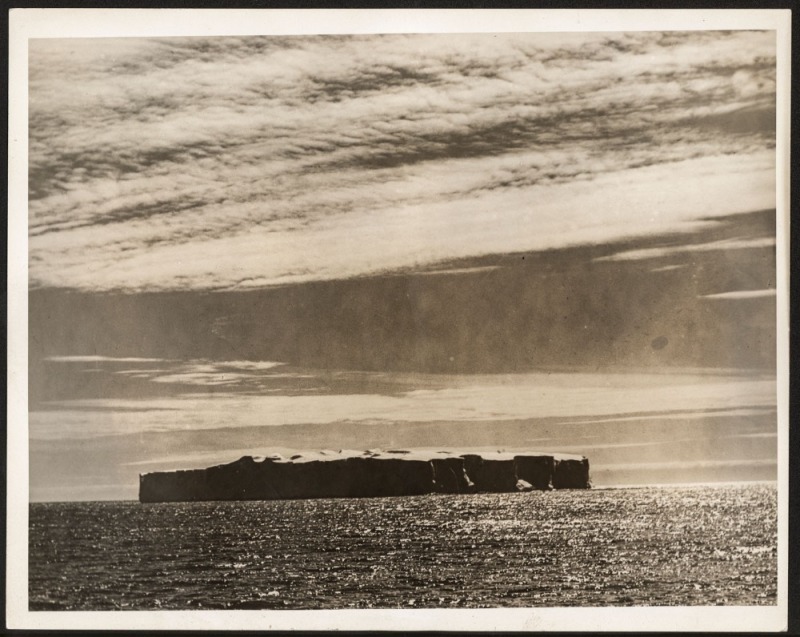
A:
(628, 304)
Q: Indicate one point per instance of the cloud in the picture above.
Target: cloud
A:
(448, 271)
(456, 399)
(747, 84)
(229, 374)
(216, 373)
(655, 253)
(736, 295)
(101, 359)
(412, 233)
(246, 162)
(657, 418)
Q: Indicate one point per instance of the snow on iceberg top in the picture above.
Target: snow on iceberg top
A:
(424, 455)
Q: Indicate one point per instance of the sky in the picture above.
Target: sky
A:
(228, 163)
(482, 240)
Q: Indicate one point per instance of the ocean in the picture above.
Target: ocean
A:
(666, 545)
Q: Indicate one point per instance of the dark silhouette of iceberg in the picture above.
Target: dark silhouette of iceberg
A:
(365, 474)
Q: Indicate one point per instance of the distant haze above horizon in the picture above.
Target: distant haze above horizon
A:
(560, 241)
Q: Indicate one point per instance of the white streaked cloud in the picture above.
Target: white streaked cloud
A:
(448, 271)
(381, 240)
(654, 253)
(683, 416)
(760, 434)
(207, 373)
(736, 295)
(247, 162)
(102, 359)
(668, 268)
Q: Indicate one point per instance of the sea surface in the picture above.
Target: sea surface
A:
(673, 545)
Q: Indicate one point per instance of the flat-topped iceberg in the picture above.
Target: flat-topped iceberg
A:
(364, 474)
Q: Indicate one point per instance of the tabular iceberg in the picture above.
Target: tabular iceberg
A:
(363, 474)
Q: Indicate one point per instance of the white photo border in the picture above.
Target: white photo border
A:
(26, 24)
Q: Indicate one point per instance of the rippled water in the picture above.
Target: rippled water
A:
(647, 546)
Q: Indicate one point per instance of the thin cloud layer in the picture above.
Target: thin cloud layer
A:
(93, 358)
(736, 295)
(462, 399)
(655, 253)
(246, 162)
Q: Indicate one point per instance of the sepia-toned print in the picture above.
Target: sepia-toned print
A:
(403, 321)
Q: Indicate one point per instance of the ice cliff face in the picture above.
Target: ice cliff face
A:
(357, 474)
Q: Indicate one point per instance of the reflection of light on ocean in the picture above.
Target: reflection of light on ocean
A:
(698, 545)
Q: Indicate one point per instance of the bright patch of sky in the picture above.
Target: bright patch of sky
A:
(504, 397)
